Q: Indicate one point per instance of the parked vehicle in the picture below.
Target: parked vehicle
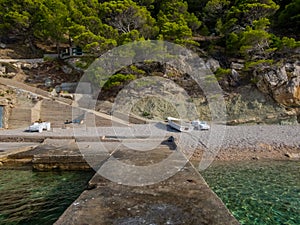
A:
(39, 126)
(200, 125)
(179, 125)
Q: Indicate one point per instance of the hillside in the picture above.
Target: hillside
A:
(251, 46)
(246, 103)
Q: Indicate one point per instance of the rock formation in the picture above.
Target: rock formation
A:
(281, 82)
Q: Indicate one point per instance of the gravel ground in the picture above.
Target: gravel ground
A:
(251, 142)
(232, 142)
(229, 136)
(249, 136)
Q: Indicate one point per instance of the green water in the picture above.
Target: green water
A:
(258, 193)
(28, 197)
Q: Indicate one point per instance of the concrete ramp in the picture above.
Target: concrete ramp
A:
(184, 198)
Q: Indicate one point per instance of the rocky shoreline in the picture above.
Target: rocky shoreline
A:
(261, 152)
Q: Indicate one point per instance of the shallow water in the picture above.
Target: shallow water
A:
(28, 197)
(258, 192)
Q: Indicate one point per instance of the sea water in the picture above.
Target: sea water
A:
(258, 192)
(28, 197)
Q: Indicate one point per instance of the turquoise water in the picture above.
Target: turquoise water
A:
(28, 197)
(258, 193)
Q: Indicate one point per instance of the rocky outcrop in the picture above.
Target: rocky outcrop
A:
(212, 64)
(281, 82)
(248, 105)
(244, 103)
(7, 101)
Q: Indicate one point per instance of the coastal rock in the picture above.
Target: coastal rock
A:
(237, 66)
(289, 94)
(75, 62)
(66, 69)
(234, 78)
(292, 155)
(282, 83)
(2, 69)
(2, 45)
(213, 64)
(249, 105)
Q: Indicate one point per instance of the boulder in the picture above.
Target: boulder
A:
(2, 45)
(289, 94)
(292, 155)
(234, 78)
(282, 83)
(66, 69)
(26, 66)
(2, 69)
(213, 64)
(236, 66)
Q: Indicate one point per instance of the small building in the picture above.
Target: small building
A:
(67, 87)
(79, 88)
(71, 51)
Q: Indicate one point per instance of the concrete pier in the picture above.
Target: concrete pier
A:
(172, 192)
(184, 198)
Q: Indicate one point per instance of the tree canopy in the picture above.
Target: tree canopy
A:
(243, 27)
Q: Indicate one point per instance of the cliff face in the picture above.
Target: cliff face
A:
(7, 101)
(246, 105)
(282, 82)
(274, 98)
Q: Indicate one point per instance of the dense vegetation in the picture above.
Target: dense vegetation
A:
(243, 27)
(257, 31)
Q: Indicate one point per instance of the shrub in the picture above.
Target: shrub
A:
(221, 72)
(118, 79)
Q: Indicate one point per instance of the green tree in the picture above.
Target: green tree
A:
(214, 12)
(246, 28)
(118, 79)
(290, 17)
(126, 16)
(244, 12)
(54, 22)
(20, 18)
(176, 23)
(86, 28)
(196, 6)
(253, 42)
(147, 3)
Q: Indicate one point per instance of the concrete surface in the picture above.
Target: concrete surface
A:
(184, 198)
